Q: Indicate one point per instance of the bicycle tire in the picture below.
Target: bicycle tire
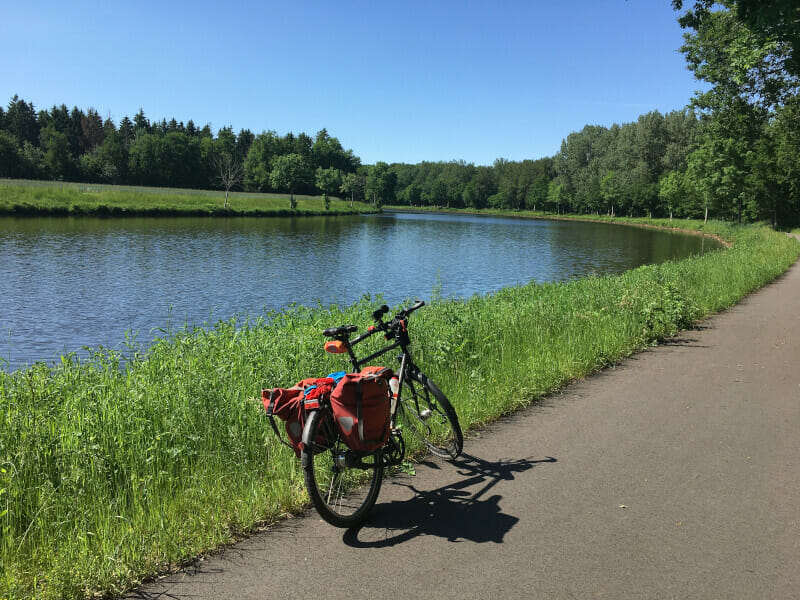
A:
(440, 430)
(336, 490)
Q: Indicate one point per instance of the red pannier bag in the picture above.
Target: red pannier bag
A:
(288, 404)
(361, 404)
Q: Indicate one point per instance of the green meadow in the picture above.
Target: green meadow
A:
(22, 197)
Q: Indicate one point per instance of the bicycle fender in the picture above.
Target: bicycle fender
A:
(305, 457)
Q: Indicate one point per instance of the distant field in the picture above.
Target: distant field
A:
(18, 196)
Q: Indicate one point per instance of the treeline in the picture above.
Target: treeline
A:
(82, 146)
(616, 170)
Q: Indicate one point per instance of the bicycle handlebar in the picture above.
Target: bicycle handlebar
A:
(346, 330)
(410, 309)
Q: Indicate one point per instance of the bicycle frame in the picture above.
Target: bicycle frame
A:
(398, 328)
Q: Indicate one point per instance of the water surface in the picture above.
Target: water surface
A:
(66, 283)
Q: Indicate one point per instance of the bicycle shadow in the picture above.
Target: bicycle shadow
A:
(452, 511)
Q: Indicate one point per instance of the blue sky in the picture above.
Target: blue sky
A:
(401, 81)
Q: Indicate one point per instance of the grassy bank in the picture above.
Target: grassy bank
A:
(53, 198)
(108, 474)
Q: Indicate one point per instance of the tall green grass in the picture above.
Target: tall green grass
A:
(53, 198)
(116, 467)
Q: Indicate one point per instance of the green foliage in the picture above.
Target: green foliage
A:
(506, 184)
(733, 157)
(611, 190)
(784, 133)
(328, 153)
(57, 159)
(769, 20)
(737, 62)
(20, 120)
(353, 185)
(536, 193)
(328, 180)
(108, 162)
(257, 165)
(666, 314)
(601, 171)
(143, 159)
(289, 172)
(678, 193)
(747, 52)
(33, 165)
(557, 196)
(381, 184)
(616, 170)
(10, 160)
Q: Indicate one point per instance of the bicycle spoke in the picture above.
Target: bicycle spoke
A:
(334, 488)
(429, 416)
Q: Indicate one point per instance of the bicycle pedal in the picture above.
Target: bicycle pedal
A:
(425, 413)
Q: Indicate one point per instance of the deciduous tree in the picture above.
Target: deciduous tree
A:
(229, 173)
(289, 172)
(328, 180)
(381, 183)
(354, 185)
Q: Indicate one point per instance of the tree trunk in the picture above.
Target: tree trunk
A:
(775, 213)
(226, 199)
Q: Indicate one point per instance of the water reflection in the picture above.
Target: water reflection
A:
(67, 283)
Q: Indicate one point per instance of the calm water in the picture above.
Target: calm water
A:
(67, 283)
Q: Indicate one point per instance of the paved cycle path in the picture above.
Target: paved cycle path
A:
(674, 475)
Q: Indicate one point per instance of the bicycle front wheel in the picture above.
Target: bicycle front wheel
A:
(342, 485)
(426, 412)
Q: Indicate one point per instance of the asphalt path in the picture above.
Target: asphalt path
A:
(674, 475)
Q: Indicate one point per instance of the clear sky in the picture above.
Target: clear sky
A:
(400, 81)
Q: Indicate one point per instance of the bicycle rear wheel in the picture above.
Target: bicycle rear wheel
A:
(342, 485)
(426, 412)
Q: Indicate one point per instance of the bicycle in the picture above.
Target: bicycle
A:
(331, 470)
